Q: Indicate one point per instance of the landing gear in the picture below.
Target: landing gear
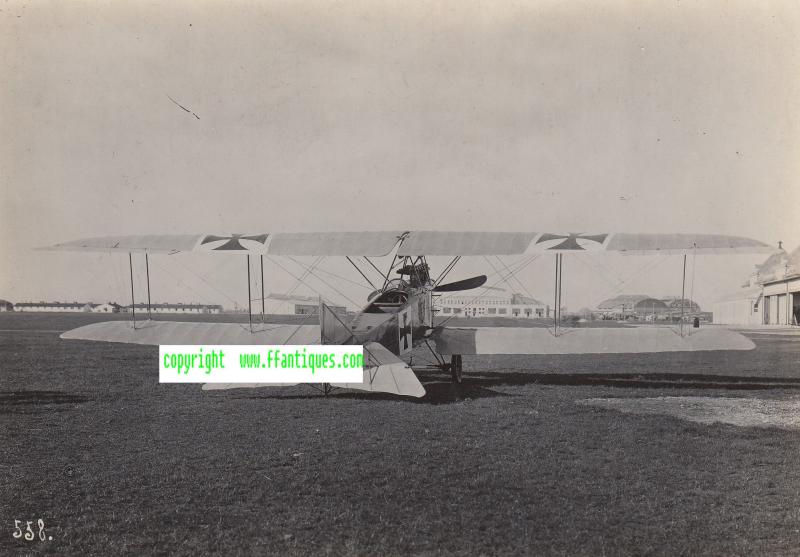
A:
(455, 368)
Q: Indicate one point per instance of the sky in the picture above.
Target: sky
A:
(316, 116)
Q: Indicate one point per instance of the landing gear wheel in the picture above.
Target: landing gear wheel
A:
(455, 368)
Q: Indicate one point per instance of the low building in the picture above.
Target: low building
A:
(739, 308)
(5, 305)
(313, 309)
(59, 307)
(515, 306)
(294, 304)
(176, 308)
(108, 307)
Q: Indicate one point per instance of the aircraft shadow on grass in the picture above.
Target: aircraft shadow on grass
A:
(20, 402)
(481, 384)
(440, 390)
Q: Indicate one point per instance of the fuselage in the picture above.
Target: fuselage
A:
(398, 317)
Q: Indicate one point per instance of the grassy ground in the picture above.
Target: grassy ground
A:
(508, 464)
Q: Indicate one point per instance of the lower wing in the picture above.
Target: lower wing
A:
(540, 340)
(181, 332)
(383, 371)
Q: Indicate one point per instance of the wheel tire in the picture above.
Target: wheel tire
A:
(456, 367)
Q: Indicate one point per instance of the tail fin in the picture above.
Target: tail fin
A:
(386, 373)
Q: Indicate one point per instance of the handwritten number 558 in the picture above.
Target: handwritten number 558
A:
(28, 533)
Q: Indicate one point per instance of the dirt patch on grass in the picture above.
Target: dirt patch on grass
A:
(743, 412)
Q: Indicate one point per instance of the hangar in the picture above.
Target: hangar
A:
(620, 306)
(651, 309)
(770, 297)
(781, 284)
(642, 307)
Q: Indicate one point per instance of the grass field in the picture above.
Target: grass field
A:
(512, 462)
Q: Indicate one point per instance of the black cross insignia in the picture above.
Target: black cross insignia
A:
(405, 331)
(233, 241)
(571, 240)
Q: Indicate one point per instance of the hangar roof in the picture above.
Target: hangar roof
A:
(650, 303)
(775, 266)
(624, 299)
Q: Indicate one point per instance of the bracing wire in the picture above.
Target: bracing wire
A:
(323, 281)
(325, 271)
(516, 278)
(298, 280)
(180, 281)
(201, 278)
(522, 265)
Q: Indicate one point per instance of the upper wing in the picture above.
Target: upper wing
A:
(308, 243)
(151, 243)
(645, 244)
(421, 243)
(623, 340)
(510, 243)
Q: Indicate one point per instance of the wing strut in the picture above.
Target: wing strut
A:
(133, 299)
(367, 259)
(360, 272)
(249, 296)
(447, 270)
(555, 301)
(147, 271)
(560, 281)
(683, 291)
(557, 293)
(263, 318)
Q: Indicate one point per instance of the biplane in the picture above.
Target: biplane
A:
(399, 314)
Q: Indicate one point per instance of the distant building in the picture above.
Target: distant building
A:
(620, 307)
(295, 304)
(647, 308)
(113, 307)
(75, 307)
(5, 305)
(686, 307)
(313, 309)
(651, 309)
(108, 307)
(771, 295)
(515, 305)
(177, 308)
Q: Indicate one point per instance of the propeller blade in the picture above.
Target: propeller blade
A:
(466, 284)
